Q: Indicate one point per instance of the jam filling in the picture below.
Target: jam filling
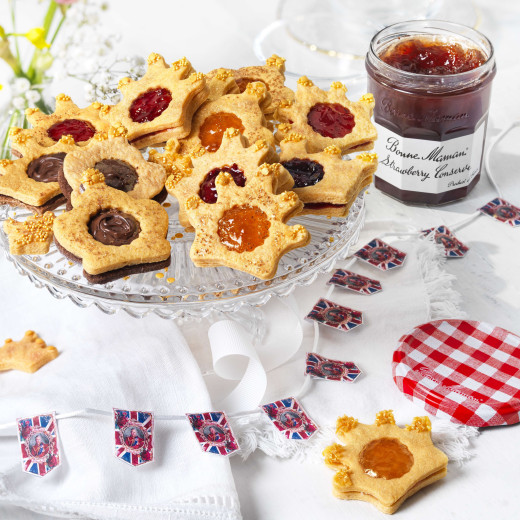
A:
(244, 82)
(423, 56)
(79, 130)
(46, 168)
(213, 128)
(331, 120)
(304, 172)
(118, 174)
(208, 191)
(113, 227)
(243, 228)
(386, 458)
(150, 105)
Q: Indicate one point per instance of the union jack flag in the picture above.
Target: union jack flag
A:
(334, 315)
(290, 418)
(503, 211)
(381, 255)
(453, 247)
(319, 367)
(38, 437)
(355, 282)
(213, 432)
(133, 436)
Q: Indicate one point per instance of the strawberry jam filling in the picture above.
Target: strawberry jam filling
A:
(150, 105)
(213, 128)
(304, 172)
(331, 119)
(422, 56)
(208, 192)
(243, 228)
(78, 129)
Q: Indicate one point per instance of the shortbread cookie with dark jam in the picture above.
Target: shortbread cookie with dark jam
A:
(324, 182)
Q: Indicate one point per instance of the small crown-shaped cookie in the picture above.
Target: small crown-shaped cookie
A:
(28, 355)
(327, 118)
(33, 236)
(382, 463)
(325, 183)
(161, 104)
(244, 229)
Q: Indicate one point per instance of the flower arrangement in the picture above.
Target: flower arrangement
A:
(83, 51)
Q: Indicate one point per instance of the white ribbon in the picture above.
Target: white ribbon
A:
(237, 358)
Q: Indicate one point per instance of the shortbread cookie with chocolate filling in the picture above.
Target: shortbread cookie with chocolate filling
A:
(67, 119)
(32, 181)
(245, 228)
(272, 75)
(327, 118)
(122, 165)
(240, 111)
(325, 183)
(198, 176)
(111, 233)
(161, 104)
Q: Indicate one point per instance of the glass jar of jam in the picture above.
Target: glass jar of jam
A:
(431, 82)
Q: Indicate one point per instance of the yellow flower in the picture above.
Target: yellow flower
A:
(2, 33)
(37, 37)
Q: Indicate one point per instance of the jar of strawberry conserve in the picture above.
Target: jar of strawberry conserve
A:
(432, 82)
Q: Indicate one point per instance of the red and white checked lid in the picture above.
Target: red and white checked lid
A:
(465, 371)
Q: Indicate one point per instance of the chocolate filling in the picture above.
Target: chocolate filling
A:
(118, 174)
(113, 227)
(46, 168)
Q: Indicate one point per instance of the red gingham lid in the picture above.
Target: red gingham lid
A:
(465, 371)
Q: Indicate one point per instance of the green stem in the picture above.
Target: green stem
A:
(57, 29)
(13, 20)
(47, 22)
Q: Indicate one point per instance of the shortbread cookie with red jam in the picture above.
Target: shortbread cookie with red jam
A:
(32, 181)
(324, 182)
(233, 157)
(240, 111)
(327, 118)
(122, 165)
(67, 119)
(161, 104)
(111, 233)
(245, 228)
(272, 75)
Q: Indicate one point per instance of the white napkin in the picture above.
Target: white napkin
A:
(105, 362)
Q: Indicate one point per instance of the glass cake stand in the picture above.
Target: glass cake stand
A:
(184, 290)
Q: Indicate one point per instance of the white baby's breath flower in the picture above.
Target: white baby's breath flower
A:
(32, 96)
(19, 102)
(90, 93)
(21, 85)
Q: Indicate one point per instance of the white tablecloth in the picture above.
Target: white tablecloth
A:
(220, 33)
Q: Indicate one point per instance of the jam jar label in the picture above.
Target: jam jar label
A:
(428, 166)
